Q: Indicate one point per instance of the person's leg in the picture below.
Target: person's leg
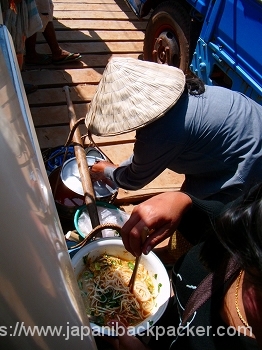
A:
(30, 45)
(32, 56)
(29, 88)
(50, 37)
(58, 54)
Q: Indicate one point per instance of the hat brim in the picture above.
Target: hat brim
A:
(131, 94)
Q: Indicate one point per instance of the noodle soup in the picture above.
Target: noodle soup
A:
(105, 292)
(156, 273)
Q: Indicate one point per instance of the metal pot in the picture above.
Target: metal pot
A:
(71, 179)
(67, 202)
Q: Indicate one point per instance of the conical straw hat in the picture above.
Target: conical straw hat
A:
(131, 94)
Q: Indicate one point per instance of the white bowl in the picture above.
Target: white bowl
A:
(115, 247)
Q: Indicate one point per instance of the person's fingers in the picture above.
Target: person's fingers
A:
(156, 237)
(94, 176)
(108, 182)
(100, 166)
(133, 234)
(126, 229)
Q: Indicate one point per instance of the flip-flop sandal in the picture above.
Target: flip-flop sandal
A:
(69, 58)
(43, 60)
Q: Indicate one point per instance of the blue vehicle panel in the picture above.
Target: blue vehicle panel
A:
(226, 42)
(229, 48)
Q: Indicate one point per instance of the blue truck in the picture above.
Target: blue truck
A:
(218, 40)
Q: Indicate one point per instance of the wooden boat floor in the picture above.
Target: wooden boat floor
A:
(99, 30)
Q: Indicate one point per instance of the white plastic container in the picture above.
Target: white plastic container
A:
(107, 213)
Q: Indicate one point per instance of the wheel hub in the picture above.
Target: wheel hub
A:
(166, 49)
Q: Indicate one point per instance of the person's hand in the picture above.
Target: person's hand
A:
(124, 341)
(97, 170)
(160, 214)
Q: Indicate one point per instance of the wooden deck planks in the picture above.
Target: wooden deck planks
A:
(99, 30)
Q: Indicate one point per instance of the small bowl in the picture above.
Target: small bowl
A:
(115, 247)
(114, 216)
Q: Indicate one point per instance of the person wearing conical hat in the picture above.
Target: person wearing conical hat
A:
(211, 134)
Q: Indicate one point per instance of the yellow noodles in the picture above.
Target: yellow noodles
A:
(105, 292)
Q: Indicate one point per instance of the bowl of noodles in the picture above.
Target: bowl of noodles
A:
(103, 269)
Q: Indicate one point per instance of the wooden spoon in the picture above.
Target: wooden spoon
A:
(131, 283)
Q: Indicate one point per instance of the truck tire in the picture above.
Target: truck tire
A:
(167, 36)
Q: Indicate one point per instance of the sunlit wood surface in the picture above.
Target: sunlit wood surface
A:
(98, 29)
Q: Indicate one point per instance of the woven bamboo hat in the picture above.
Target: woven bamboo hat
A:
(132, 94)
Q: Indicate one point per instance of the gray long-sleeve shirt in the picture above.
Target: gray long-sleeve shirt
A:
(215, 139)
